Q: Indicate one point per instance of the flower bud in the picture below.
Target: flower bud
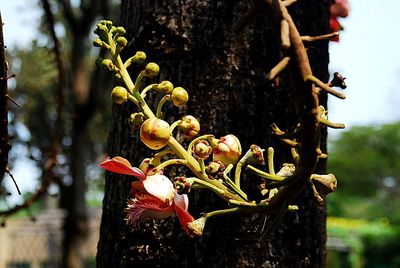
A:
(253, 156)
(179, 96)
(227, 150)
(139, 57)
(155, 133)
(135, 120)
(183, 185)
(119, 95)
(121, 41)
(107, 64)
(287, 170)
(196, 227)
(98, 43)
(189, 126)
(121, 30)
(152, 70)
(325, 183)
(201, 149)
(107, 23)
(214, 169)
(338, 81)
(148, 168)
(102, 31)
(322, 113)
(165, 87)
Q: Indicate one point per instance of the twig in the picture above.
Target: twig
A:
(307, 38)
(12, 177)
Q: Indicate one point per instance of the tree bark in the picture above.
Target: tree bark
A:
(4, 140)
(86, 88)
(225, 73)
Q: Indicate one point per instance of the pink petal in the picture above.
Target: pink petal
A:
(182, 201)
(122, 166)
(160, 187)
(184, 217)
(146, 206)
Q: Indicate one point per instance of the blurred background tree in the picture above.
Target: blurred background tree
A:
(36, 88)
(366, 159)
(365, 210)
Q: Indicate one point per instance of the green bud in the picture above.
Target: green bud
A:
(165, 87)
(215, 170)
(121, 41)
(107, 64)
(201, 149)
(108, 24)
(179, 96)
(119, 95)
(102, 32)
(135, 120)
(98, 43)
(139, 57)
(152, 70)
(183, 185)
(118, 77)
(121, 30)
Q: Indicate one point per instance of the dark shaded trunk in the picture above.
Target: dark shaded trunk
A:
(86, 86)
(225, 74)
(4, 140)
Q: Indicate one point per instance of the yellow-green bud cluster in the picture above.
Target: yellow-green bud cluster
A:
(110, 36)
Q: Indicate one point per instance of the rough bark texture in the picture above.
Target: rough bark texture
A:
(225, 74)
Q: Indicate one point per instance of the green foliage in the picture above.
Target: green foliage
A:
(370, 244)
(365, 161)
(36, 76)
(35, 89)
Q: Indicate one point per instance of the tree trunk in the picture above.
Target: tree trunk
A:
(225, 74)
(86, 87)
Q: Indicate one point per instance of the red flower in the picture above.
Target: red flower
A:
(154, 196)
(341, 9)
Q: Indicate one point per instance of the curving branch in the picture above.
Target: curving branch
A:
(306, 104)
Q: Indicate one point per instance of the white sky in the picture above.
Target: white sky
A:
(368, 54)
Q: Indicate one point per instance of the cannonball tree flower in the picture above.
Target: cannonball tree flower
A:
(227, 150)
(154, 196)
(340, 8)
